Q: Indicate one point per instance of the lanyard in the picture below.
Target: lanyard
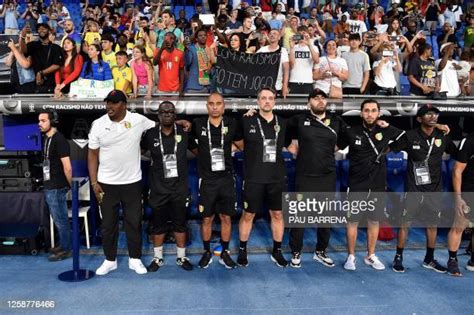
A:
(321, 122)
(431, 148)
(379, 154)
(175, 142)
(209, 134)
(277, 129)
(47, 146)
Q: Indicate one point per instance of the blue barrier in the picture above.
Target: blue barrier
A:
(76, 274)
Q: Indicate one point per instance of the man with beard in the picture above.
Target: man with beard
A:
(46, 57)
(168, 144)
(57, 178)
(367, 143)
(425, 146)
(281, 84)
(317, 133)
(264, 173)
(70, 32)
(114, 141)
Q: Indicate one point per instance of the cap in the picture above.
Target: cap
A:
(116, 96)
(43, 25)
(426, 108)
(316, 92)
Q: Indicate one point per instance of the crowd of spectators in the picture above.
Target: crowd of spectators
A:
(340, 47)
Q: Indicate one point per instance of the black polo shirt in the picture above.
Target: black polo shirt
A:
(151, 141)
(54, 149)
(364, 172)
(416, 143)
(200, 135)
(255, 170)
(466, 155)
(316, 143)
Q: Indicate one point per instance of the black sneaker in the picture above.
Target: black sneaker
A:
(453, 268)
(184, 263)
(397, 265)
(206, 260)
(226, 261)
(470, 265)
(295, 260)
(278, 259)
(61, 255)
(435, 266)
(242, 258)
(155, 264)
(323, 258)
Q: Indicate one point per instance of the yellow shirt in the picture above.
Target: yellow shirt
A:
(92, 37)
(110, 59)
(287, 35)
(121, 76)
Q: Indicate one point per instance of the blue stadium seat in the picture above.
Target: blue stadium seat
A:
(396, 171)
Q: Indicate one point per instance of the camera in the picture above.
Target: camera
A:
(387, 53)
(297, 37)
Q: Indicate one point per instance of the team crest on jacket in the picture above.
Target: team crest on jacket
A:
(201, 208)
(178, 138)
(327, 122)
(379, 136)
(225, 130)
(438, 142)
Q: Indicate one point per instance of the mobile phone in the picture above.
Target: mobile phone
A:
(387, 53)
(395, 38)
(297, 37)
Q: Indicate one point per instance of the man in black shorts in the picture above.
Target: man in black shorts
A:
(463, 186)
(264, 173)
(367, 143)
(168, 144)
(215, 135)
(317, 134)
(425, 146)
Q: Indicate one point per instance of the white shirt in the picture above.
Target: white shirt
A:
(386, 77)
(449, 78)
(302, 71)
(284, 58)
(356, 26)
(119, 145)
(325, 65)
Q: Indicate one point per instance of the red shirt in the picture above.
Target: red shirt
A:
(170, 64)
(66, 75)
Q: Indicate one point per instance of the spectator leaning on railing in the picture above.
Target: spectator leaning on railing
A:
(95, 68)
(71, 69)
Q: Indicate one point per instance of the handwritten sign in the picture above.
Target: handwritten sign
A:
(246, 73)
(90, 89)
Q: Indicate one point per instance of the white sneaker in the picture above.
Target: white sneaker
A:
(137, 265)
(374, 262)
(106, 267)
(350, 263)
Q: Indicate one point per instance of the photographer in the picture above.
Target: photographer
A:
(30, 15)
(303, 56)
(22, 75)
(385, 68)
(10, 13)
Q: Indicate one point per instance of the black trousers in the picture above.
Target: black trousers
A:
(326, 183)
(130, 197)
